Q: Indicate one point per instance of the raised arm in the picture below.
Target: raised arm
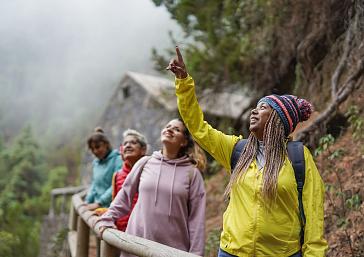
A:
(215, 142)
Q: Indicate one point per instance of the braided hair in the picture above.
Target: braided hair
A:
(275, 151)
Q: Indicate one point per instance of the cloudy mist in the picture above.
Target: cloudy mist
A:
(61, 59)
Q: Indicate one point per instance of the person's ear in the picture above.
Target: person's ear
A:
(121, 151)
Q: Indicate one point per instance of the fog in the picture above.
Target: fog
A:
(60, 60)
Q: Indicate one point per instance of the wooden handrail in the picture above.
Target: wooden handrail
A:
(64, 191)
(113, 240)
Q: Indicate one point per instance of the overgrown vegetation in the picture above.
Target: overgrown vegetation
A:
(213, 243)
(310, 48)
(356, 122)
(341, 202)
(272, 47)
(25, 184)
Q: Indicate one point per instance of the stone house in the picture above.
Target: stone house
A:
(146, 103)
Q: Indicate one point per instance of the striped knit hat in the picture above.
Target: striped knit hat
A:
(290, 109)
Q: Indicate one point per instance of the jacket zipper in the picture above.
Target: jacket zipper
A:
(256, 193)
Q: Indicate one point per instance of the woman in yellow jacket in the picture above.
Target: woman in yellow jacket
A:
(262, 218)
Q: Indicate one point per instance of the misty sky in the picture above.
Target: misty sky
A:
(61, 59)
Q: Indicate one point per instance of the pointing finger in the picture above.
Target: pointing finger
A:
(179, 55)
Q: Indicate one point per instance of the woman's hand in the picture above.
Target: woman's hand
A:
(177, 66)
(92, 206)
(99, 230)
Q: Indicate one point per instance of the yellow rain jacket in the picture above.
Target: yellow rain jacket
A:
(249, 229)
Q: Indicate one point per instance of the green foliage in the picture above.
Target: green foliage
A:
(24, 194)
(213, 168)
(336, 154)
(58, 241)
(68, 154)
(19, 226)
(8, 242)
(22, 173)
(356, 122)
(212, 242)
(24, 167)
(324, 144)
(341, 222)
(354, 202)
(40, 205)
(225, 38)
(231, 130)
(342, 202)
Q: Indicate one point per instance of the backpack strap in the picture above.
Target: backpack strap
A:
(237, 151)
(297, 158)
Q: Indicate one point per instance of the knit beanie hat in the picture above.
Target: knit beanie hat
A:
(290, 109)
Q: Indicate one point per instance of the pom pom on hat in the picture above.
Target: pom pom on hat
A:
(305, 108)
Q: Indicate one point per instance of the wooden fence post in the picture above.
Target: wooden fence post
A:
(72, 223)
(98, 246)
(108, 250)
(83, 238)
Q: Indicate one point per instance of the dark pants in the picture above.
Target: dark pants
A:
(222, 253)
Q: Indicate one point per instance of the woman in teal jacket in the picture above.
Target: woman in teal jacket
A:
(262, 218)
(107, 162)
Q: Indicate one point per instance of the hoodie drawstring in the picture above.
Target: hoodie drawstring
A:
(156, 188)
(171, 191)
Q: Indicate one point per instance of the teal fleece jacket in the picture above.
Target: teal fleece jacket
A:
(102, 173)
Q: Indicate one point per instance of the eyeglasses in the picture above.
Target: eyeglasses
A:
(132, 142)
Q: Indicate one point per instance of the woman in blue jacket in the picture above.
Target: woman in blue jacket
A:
(107, 162)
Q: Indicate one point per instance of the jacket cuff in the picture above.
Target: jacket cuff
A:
(184, 84)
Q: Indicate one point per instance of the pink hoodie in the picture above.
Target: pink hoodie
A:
(171, 205)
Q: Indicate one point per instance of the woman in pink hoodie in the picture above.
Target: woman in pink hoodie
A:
(171, 204)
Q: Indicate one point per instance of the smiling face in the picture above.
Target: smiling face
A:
(258, 119)
(173, 134)
(132, 150)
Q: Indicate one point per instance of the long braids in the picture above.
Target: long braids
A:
(274, 152)
(247, 156)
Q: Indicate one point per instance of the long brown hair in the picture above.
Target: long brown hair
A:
(274, 151)
(193, 150)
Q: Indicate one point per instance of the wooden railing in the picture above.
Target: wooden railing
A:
(56, 222)
(81, 223)
(64, 192)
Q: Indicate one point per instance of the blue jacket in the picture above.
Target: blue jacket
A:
(103, 171)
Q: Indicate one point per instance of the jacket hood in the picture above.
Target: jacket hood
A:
(182, 161)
